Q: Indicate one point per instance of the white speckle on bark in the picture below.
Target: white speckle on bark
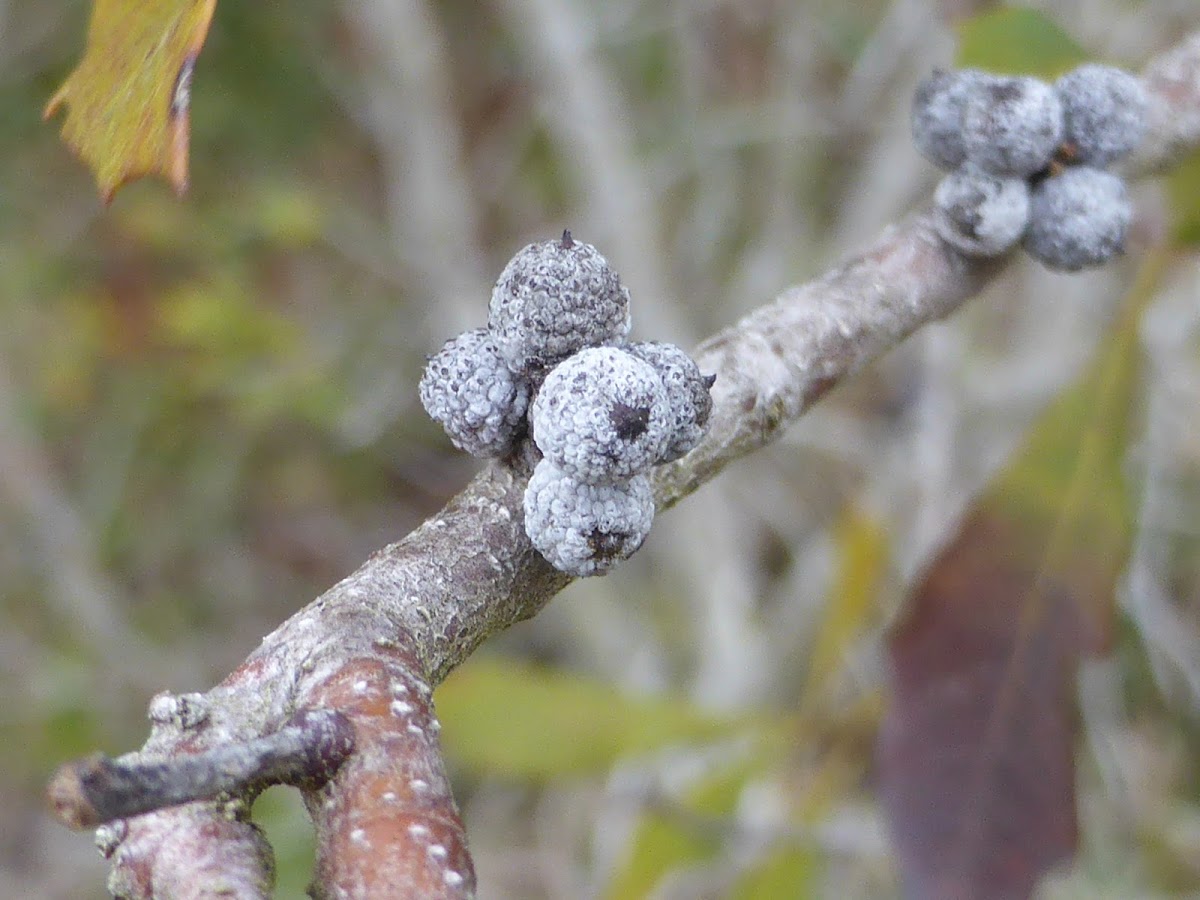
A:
(162, 707)
(110, 836)
(185, 711)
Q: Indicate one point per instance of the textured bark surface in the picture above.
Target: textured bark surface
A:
(374, 645)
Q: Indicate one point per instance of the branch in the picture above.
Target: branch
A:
(1172, 82)
(372, 646)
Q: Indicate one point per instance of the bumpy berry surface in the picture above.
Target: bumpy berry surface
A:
(1078, 218)
(586, 529)
(1012, 126)
(937, 114)
(1105, 112)
(602, 415)
(468, 388)
(981, 214)
(687, 395)
(553, 299)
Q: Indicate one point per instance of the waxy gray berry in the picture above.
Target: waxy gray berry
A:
(602, 415)
(586, 529)
(553, 299)
(553, 364)
(468, 388)
(1012, 127)
(687, 394)
(1105, 113)
(937, 114)
(1079, 218)
(981, 214)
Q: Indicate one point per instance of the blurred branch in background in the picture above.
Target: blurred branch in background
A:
(86, 602)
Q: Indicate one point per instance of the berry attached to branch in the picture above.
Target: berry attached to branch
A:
(1026, 161)
(586, 529)
(602, 415)
(468, 388)
(1012, 127)
(1078, 219)
(553, 299)
(937, 114)
(981, 214)
(1105, 110)
(688, 394)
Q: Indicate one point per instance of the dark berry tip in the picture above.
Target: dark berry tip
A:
(630, 422)
(567, 241)
(605, 547)
(709, 381)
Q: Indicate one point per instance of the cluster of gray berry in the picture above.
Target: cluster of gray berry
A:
(1027, 160)
(554, 362)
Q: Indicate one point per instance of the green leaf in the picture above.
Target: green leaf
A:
(1017, 41)
(786, 872)
(521, 721)
(220, 320)
(661, 845)
(279, 812)
(1183, 192)
(690, 834)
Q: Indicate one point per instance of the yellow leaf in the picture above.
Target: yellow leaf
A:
(127, 100)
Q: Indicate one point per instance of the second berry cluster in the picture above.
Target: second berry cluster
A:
(1028, 161)
(555, 363)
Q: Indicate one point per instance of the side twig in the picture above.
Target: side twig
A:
(97, 789)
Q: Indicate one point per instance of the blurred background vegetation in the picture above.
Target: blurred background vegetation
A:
(208, 415)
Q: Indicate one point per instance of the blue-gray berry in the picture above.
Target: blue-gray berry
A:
(981, 214)
(1013, 126)
(937, 114)
(1105, 112)
(586, 529)
(687, 394)
(553, 299)
(468, 388)
(1078, 218)
(602, 415)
